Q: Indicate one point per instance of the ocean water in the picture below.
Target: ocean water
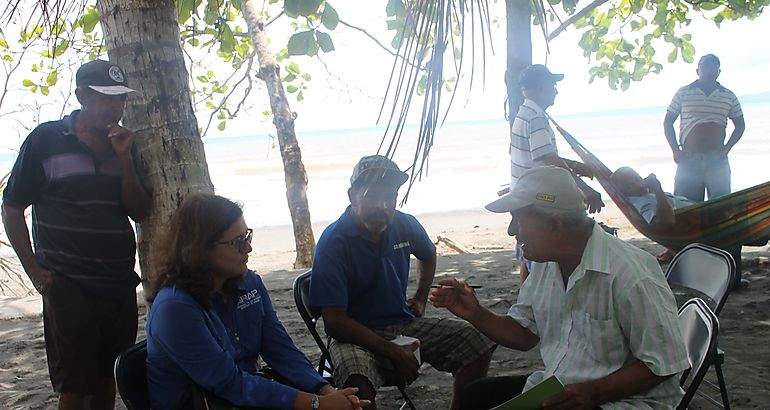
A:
(469, 161)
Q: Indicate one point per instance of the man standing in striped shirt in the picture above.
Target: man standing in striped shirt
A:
(703, 108)
(533, 141)
(78, 175)
(599, 309)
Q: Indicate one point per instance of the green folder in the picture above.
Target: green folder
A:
(533, 398)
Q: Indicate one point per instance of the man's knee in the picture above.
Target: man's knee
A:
(366, 390)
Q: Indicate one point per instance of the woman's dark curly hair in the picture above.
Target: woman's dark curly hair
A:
(181, 255)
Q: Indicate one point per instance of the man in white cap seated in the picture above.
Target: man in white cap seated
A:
(599, 308)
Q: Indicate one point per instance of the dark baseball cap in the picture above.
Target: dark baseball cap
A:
(537, 75)
(377, 168)
(103, 77)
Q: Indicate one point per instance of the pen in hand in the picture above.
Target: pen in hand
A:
(452, 287)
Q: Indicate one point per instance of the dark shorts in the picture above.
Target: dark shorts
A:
(85, 332)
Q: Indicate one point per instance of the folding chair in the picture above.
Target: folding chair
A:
(700, 329)
(711, 272)
(310, 317)
(703, 268)
(131, 377)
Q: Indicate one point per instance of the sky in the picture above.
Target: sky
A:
(745, 64)
(350, 94)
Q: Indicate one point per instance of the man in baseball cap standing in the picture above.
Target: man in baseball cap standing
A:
(78, 175)
(533, 141)
(598, 308)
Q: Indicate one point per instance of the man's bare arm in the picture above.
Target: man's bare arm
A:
(18, 233)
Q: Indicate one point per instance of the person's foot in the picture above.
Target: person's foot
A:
(665, 257)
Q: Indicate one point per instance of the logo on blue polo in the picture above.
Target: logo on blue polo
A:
(248, 299)
(400, 245)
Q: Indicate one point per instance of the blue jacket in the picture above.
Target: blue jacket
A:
(218, 348)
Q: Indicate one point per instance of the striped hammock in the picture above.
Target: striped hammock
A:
(741, 218)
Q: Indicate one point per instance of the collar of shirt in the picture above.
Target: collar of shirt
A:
(594, 258)
(533, 105)
(68, 123)
(694, 86)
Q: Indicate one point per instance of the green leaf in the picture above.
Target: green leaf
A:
(306, 76)
(210, 105)
(89, 20)
(300, 96)
(44, 90)
(293, 68)
(330, 18)
(221, 126)
(51, 78)
(28, 83)
(307, 7)
(303, 43)
(688, 52)
(3, 44)
(324, 41)
(202, 78)
(226, 39)
(292, 89)
(291, 8)
(185, 8)
(672, 55)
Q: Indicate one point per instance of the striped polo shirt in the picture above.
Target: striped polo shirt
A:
(531, 139)
(695, 107)
(616, 307)
(79, 226)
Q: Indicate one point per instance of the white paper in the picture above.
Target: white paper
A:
(402, 340)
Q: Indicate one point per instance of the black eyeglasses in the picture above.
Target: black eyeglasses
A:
(239, 243)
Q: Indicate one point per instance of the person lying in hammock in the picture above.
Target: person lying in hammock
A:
(647, 196)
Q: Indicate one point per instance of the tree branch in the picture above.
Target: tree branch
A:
(575, 17)
(366, 33)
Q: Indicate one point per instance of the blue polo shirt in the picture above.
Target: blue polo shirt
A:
(80, 228)
(218, 348)
(366, 278)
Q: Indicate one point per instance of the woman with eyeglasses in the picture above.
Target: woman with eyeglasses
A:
(211, 319)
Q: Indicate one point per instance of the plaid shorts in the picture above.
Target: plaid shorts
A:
(446, 344)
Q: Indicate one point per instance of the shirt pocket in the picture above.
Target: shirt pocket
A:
(603, 338)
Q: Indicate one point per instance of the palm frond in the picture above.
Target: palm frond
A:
(428, 32)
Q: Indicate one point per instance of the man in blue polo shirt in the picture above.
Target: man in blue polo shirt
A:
(78, 175)
(359, 281)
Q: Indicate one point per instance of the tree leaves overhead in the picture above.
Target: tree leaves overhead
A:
(316, 13)
(620, 38)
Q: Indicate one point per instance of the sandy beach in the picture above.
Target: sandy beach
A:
(745, 320)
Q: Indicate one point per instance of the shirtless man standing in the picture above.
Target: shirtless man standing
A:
(701, 152)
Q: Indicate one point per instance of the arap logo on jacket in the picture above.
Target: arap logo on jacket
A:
(248, 299)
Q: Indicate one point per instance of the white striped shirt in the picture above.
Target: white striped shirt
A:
(695, 107)
(531, 139)
(616, 307)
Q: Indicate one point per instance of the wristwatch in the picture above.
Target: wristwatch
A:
(315, 403)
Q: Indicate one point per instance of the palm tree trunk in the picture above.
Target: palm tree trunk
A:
(283, 118)
(142, 37)
(519, 45)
